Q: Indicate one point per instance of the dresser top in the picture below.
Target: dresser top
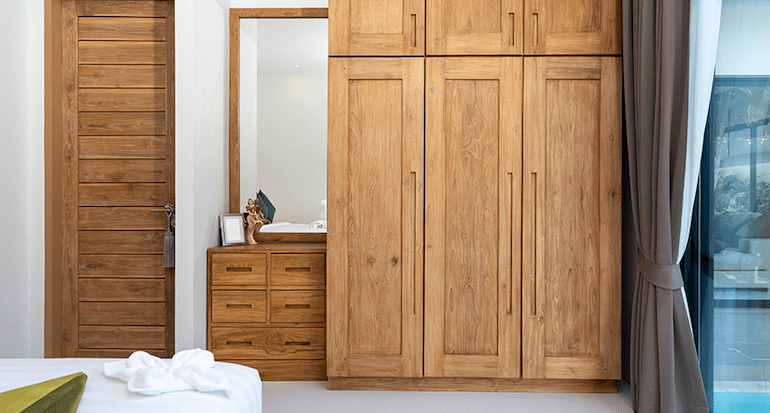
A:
(316, 247)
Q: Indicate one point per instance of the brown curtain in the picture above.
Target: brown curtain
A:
(665, 374)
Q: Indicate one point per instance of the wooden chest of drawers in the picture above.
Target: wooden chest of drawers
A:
(267, 308)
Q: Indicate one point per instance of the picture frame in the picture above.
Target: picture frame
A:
(231, 226)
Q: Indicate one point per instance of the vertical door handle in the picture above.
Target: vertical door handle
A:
(533, 277)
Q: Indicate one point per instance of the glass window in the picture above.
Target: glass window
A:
(728, 271)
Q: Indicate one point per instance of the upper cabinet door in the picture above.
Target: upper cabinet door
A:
(571, 235)
(375, 234)
(572, 27)
(475, 27)
(376, 28)
(473, 220)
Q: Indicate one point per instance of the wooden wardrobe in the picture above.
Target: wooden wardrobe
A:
(474, 195)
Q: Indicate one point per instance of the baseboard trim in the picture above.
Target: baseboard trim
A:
(473, 385)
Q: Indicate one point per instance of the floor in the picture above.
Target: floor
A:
(742, 350)
(308, 396)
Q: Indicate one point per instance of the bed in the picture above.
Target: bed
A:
(103, 394)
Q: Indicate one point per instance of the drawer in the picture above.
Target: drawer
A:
(239, 269)
(295, 270)
(238, 306)
(285, 370)
(297, 306)
(268, 343)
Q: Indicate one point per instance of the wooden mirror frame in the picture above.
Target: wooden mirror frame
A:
(235, 141)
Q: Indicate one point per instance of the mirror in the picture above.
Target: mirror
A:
(278, 105)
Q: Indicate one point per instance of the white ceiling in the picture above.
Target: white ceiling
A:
(284, 43)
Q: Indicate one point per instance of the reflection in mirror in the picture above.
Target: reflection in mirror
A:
(282, 116)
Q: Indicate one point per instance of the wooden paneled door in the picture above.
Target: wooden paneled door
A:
(117, 164)
(572, 27)
(375, 234)
(473, 217)
(475, 27)
(572, 218)
(376, 28)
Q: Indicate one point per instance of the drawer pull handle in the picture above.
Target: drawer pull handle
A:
(239, 343)
(297, 269)
(297, 343)
(239, 269)
(238, 305)
(297, 306)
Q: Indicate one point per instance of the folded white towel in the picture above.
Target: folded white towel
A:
(151, 376)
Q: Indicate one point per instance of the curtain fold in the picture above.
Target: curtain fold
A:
(663, 171)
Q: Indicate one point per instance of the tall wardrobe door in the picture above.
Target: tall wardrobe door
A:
(474, 27)
(375, 233)
(571, 306)
(472, 232)
(376, 27)
(572, 27)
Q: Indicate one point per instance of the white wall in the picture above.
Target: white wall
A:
(744, 38)
(22, 186)
(201, 157)
(292, 150)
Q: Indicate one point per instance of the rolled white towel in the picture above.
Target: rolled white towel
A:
(151, 376)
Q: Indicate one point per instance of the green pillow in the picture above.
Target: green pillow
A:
(60, 395)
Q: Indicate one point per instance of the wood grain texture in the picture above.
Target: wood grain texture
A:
(376, 28)
(471, 384)
(239, 269)
(375, 247)
(150, 195)
(122, 76)
(131, 8)
(109, 52)
(471, 201)
(120, 242)
(108, 289)
(374, 153)
(473, 147)
(122, 100)
(121, 170)
(468, 27)
(67, 178)
(122, 313)
(272, 343)
(122, 123)
(124, 147)
(571, 309)
(170, 156)
(120, 218)
(572, 27)
(123, 266)
(122, 28)
(286, 370)
(101, 188)
(238, 306)
(293, 270)
(121, 337)
(297, 306)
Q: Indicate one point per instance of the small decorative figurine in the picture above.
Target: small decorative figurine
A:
(254, 221)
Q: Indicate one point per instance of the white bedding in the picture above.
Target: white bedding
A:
(103, 394)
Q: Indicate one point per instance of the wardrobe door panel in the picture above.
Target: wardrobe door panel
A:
(473, 144)
(572, 27)
(376, 27)
(473, 27)
(375, 218)
(572, 218)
